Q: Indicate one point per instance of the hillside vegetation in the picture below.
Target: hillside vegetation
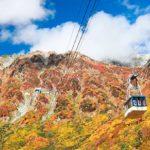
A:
(80, 107)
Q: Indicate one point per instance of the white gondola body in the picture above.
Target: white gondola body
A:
(135, 107)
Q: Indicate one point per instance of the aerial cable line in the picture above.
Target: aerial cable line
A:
(95, 8)
(77, 15)
(82, 21)
(84, 29)
(83, 33)
(78, 32)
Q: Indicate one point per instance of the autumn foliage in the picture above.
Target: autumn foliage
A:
(80, 107)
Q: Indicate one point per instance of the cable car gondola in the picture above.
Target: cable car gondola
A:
(135, 107)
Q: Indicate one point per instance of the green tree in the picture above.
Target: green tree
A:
(4, 134)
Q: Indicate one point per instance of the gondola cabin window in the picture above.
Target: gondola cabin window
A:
(138, 101)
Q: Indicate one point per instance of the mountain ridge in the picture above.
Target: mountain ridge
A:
(44, 101)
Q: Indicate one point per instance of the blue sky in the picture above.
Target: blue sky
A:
(61, 12)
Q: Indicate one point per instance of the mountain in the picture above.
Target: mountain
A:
(136, 61)
(48, 102)
(147, 65)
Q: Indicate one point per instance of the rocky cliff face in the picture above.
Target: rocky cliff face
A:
(147, 68)
(58, 103)
(148, 64)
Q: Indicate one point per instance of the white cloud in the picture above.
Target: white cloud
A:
(136, 8)
(47, 39)
(4, 35)
(129, 5)
(114, 37)
(106, 37)
(16, 12)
